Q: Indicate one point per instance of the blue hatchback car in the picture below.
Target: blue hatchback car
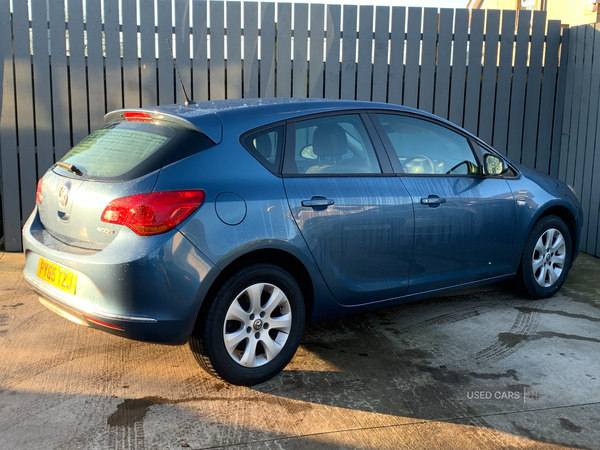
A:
(231, 224)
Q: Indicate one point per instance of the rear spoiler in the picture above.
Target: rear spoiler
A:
(211, 123)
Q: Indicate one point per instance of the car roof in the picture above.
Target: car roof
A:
(210, 117)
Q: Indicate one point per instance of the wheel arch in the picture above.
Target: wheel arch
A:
(278, 257)
(568, 218)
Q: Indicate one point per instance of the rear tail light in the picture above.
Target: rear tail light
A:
(153, 213)
(38, 193)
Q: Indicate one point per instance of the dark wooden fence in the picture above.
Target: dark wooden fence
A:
(579, 163)
(498, 74)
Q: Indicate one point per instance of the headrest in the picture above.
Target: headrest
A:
(264, 145)
(330, 140)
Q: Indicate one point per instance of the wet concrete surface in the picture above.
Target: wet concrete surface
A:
(481, 369)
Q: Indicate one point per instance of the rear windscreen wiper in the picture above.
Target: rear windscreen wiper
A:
(69, 167)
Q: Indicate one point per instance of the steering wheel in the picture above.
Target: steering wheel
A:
(469, 168)
(422, 164)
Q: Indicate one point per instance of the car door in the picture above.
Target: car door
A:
(464, 219)
(356, 218)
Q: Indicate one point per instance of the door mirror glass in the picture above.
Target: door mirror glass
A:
(494, 166)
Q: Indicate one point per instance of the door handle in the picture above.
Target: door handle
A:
(433, 200)
(317, 201)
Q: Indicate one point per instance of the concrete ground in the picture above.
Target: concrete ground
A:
(480, 369)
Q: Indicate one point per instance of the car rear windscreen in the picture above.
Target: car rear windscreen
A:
(128, 150)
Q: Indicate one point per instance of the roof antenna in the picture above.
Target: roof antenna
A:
(187, 100)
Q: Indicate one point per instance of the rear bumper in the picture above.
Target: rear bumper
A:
(148, 289)
(131, 327)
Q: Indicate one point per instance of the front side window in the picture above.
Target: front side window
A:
(334, 145)
(426, 148)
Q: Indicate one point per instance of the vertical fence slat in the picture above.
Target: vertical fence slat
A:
(413, 52)
(200, 60)
(444, 51)
(459, 67)
(593, 235)
(591, 210)
(267, 50)
(584, 107)
(380, 58)
(505, 68)
(25, 130)
(567, 168)
(166, 92)
(569, 87)
(471, 118)
(591, 181)
(60, 81)
(182, 49)
(77, 72)
(585, 164)
(332, 61)
(488, 79)
(284, 49)
(217, 50)
(317, 35)
(559, 107)
(95, 63)
(517, 98)
(131, 75)
(426, 85)
(547, 101)
(532, 99)
(576, 108)
(300, 68)
(8, 138)
(148, 54)
(112, 44)
(365, 53)
(348, 90)
(396, 75)
(250, 49)
(41, 87)
(234, 50)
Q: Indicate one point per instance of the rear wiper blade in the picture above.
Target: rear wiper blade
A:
(69, 167)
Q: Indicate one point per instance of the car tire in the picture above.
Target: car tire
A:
(253, 326)
(546, 258)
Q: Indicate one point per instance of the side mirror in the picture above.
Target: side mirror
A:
(493, 165)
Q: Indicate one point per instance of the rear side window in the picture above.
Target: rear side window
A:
(334, 145)
(266, 146)
(128, 150)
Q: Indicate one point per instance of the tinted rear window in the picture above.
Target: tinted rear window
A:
(129, 150)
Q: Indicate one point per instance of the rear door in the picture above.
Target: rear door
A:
(353, 213)
(464, 220)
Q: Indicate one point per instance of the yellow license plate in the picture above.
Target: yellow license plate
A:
(57, 275)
